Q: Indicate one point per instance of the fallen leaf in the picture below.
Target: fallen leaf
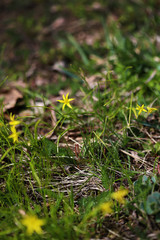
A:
(39, 81)
(10, 97)
(58, 66)
(97, 6)
(53, 117)
(31, 70)
(38, 106)
(26, 113)
(17, 84)
(56, 25)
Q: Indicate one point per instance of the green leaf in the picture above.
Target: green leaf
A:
(153, 203)
(143, 186)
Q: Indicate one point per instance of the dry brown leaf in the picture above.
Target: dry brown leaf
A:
(53, 117)
(38, 106)
(64, 92)
(39, 81)
(58, 66)
(31, 70)
(20, 83)
(10, 97)
(56, 25)
(97, 6)
(95, 80)
(26, 113)
(54, 8)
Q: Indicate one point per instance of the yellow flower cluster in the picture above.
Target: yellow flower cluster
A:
(107, 207)
(119, 195)
(13, 123)
(142, 109)
(33, 224)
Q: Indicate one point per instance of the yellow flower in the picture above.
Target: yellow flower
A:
(140, 109)
(14, 134)
(13, 122)
(106, 207)
(151, 109)
(33, 224)
(66, 101)
(119, 195)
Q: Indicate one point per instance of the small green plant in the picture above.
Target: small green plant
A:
(148, 199)
(143, 186)
(152, 205)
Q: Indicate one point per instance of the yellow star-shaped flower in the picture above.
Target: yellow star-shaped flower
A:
(13, 122)
(66, 101)
(33, 224)
(150, 110)
(140, 109)
(106, 207)
(119, 195)
(14, 134)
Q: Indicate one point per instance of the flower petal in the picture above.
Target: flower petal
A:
(71, 99)
(67, 95)
(68, 104)
(61, 101)
(63, 106)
